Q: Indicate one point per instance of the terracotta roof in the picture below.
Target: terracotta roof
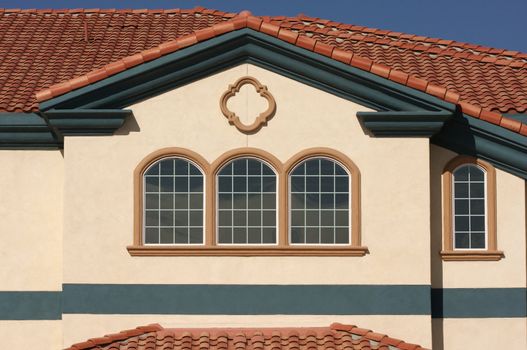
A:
(51, 52)
(335, 337)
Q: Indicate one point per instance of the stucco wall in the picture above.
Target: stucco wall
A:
(481, 333)
(392, 171)
(31, 220)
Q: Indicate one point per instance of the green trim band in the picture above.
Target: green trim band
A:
(479, 302)
(132, 299)
(30, 306)
(85, 122)
(26, 131)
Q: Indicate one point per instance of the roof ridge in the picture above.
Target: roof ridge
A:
(485, 54)
(246, 20)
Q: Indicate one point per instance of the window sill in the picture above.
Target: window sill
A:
(246, 251)
(472, 255)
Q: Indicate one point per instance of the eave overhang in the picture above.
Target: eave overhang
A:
(98, 109)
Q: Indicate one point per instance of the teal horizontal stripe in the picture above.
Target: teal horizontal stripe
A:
(247, 299)
(264, 300)
(30, 306)
(479, 302)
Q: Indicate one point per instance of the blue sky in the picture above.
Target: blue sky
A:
(495, 23)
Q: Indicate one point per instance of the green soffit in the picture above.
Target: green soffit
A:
(97, 109)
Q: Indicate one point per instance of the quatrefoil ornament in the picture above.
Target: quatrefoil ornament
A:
(261, 119)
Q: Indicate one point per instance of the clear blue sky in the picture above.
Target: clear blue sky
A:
(495, 23)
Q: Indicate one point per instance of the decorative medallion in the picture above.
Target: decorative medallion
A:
(261, 119)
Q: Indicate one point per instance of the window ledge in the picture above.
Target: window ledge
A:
(472, 255)
(245, 251)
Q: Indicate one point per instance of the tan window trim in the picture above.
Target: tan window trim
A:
(282, 248)
(448, 253)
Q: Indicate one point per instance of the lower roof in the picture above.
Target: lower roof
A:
(335, 337)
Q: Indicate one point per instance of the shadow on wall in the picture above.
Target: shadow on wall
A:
(130, 125)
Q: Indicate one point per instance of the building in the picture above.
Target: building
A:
(200, 169)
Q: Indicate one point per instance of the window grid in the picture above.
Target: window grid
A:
(169, 232)
(467, 238)
(337, 172)
(227, 230)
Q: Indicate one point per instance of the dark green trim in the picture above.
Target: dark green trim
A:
(504, 149)
(247, 299)
(479, 302)
(264, 300)
(30, 306)
(234, 48)
(87, 121)
(519, 117)
(404, 124)
(26, 130)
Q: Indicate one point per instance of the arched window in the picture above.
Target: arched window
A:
(319, 198)
(469, 210)
(246, 202)
(469, 204)
(173, 202)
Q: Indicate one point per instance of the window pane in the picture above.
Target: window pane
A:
(461, 174)
(181, 167)
(167, 201)
(477, 190)
(152, 201)
(166, 218)
(253, 205)
(181, 234)
(461, 190)
(461, 206)
(462, 240)
(151, 235)
(477, 240)
(462, 223)
(297, 235)
(476, 174)
(167, 235)
(167, 167)
(322, 196)
(477, 206)
(269, 235)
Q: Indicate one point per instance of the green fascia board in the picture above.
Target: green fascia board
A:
(503, 148)
(404, 124)
(519, 117)
(26, 131)
(246, 46)
(71, 122)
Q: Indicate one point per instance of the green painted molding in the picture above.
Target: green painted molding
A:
(71, 122)
(223, 299)
(26, 131)
(404, 124)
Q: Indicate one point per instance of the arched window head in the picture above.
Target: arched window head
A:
(319, 200)
(469, 210)
(173, 202)
(247, 202)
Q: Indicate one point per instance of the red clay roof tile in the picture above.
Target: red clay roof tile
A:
(478, 78)
(335, 337)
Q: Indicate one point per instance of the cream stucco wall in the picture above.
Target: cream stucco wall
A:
(42, 335)
(481, 333)
(97, 231)
(78, 328)
(31, 185)
(511, 236)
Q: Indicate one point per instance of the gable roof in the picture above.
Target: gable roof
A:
(88, 45)
(335, 337)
